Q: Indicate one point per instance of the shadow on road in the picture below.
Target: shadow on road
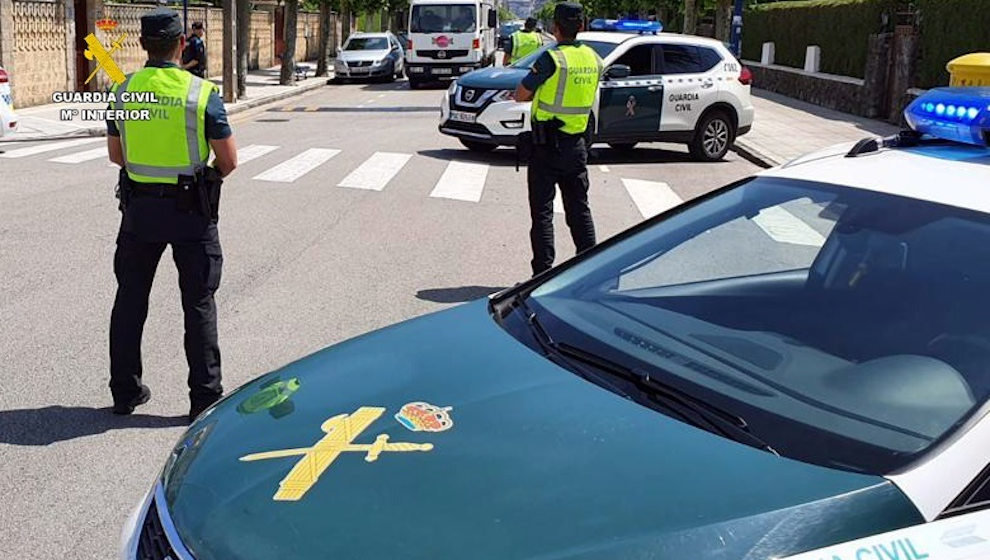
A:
(47, 425)
(599, 155)
(454, 295)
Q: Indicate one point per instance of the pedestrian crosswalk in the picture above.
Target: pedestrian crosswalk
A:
(462, 181)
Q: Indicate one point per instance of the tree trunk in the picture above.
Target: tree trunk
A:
(723, 19)
(690, 16)
(289, 55)
(243, 50)
(345, 24)
(324, 54)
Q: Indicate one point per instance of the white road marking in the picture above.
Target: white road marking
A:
(49, 147)
(80, 157)
(254, 151)
(294, 168)
(603, 168)
(784, 227)
(462, 181)
(651, 198)
(376, 171)
(558, 203)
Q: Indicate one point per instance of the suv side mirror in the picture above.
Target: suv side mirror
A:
(493, 19)
(617, 71)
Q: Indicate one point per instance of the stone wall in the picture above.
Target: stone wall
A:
(840, 93)
(45, 58)
(39, 51)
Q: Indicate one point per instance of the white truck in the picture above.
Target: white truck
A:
(448, 38)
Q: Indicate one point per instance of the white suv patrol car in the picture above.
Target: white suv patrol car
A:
(676, 88)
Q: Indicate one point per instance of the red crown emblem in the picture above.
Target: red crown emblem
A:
(106, 24)
(442, 41)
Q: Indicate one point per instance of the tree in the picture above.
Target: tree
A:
(289, 54)
(243, 44)
(324, 51)
(690, 16)
(723, 19)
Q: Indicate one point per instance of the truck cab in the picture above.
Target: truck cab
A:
(449, 38)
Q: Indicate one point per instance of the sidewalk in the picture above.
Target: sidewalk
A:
(785, 128)
(43, 122)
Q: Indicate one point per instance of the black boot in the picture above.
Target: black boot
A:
(124, 408)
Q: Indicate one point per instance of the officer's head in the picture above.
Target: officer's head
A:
(530, 24)
(568, 20)
(198, 29)
(161, 34)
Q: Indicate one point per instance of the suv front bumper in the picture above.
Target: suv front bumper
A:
(498, 123)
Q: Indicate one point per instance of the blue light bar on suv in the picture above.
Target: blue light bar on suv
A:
(626, 25)
(959, 114)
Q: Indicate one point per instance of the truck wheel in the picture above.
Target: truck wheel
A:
(477, 146)
(712, 137)
(622, 146)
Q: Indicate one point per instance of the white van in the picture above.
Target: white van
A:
(448, 38)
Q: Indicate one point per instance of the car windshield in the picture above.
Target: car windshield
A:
(603, 49)
(443, 18)
(847, 327)
(366, 44)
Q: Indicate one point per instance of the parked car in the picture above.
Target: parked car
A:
(655, 88)
(370, 56)
(792, 361)
(8, 118)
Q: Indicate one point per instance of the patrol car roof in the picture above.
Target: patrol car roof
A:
(621, 37)
(945, 173)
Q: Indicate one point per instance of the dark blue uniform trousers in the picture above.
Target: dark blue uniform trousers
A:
(564, 164)
(148, 224)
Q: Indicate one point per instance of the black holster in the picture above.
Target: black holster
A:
(208, 181)
(124, 190)
(545, 132)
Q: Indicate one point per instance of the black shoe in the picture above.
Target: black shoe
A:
(197, 408)
(128, 407)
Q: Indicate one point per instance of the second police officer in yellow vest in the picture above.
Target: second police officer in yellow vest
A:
(562, 85)
(169, 196)
(522, 43)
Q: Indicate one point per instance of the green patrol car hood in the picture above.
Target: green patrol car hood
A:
(496, 453)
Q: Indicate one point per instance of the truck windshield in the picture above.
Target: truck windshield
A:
(443, 18)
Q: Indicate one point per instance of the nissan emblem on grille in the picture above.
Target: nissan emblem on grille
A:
(441, 54)
(469, 94)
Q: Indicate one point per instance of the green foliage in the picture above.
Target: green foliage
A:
(840, 27)
(950, 28)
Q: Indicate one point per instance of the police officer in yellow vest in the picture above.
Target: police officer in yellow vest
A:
(169, 196)
(522, 43)
(562, 86)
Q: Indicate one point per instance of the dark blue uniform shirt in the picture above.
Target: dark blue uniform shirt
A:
(195, 50)
(217, 127)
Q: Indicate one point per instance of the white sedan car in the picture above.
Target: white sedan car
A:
(8, 119)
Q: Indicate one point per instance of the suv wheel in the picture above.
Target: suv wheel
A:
(712, 137)
(477, 146)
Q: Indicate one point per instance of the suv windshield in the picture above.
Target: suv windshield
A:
(847, 327)
(367, 44)
(603, 50)
(443, 18)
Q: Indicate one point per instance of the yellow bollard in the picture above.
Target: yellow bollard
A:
(969, 70)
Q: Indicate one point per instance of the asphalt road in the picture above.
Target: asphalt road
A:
(424, 225)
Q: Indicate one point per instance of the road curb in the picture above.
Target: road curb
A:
(753, 154)
(308, 85)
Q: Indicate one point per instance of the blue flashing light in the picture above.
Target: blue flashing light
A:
(626, 25)
(959, 114)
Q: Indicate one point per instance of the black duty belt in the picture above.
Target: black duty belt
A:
(156, 190)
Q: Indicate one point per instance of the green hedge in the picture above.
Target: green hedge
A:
(950, 28)
(840, 27)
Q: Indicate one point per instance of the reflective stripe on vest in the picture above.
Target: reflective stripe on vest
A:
(569, 94)
(524, 43)
(174, 141)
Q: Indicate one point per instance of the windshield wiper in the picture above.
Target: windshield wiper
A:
(689, 408)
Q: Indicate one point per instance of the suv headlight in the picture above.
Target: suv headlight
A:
(505, 95)
(453, 88)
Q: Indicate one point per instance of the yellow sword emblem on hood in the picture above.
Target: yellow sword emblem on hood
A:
(341, 431)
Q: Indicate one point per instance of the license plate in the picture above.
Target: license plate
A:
(461, 116)
(442, 71)
(359, 70)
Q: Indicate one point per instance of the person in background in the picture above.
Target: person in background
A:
(523, 42)
(194, 55)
